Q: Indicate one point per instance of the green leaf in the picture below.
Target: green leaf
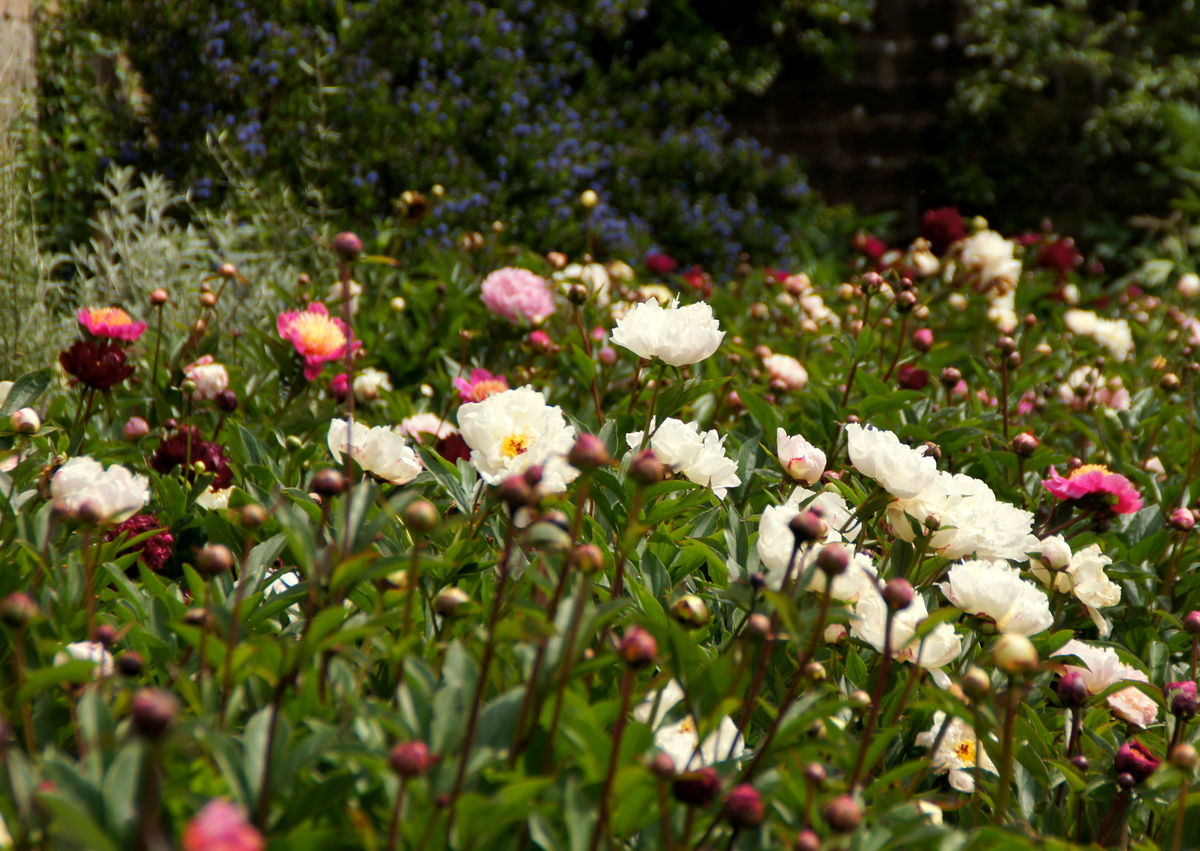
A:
(25, 391)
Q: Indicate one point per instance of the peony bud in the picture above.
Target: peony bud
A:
(588, 453)
(1071, 689)
(253, 515)
(807, 526)
(1015, 654)
(1184, 757)
(214, 559)
(328, 482)
(833, 559)
(588, 199)
(976, 683)
(135, 429)
(662, 766)
(1182, 519)
(421, 516)
(1081, 763)
(1181, 697)
(587, 557)
(807, 840)
(1133, 759)
(516, 492)
(1025, 444)
(1057, 552)
(690, 611)
(347, 246)
(227, 401)
(25, 421)
(646, 469)
(153, 712)
(158, 297)
(922, 339)
(1191, 622)
(843, 814)
(130, 664)
(637, 648)
(744, 807)
(697, 788)
(451, 602)
(18, 609)
(950, 377)
(411, 759)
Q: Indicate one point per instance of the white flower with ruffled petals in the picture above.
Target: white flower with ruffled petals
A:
(700, 457)
(1103, 668)
(901, 470)
(380, 451)
(990, 256)
(995, 589)
(678, 738)
(426, 423)
(369, 384)
(676, 335)
(940, 647)
(113, 494)
(513, 430)
(776, 543)
(957, 752)
(802, 461)
(1081, 574)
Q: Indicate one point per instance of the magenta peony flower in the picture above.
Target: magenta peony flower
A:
(1132, 758)
(317, 336)
(661, 264)
(184, 448)
(1098, 485)
(480, 385)
(221, 826)
(111, 322)
(518, 295)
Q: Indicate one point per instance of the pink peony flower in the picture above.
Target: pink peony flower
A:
(1111, 490)
(210, 377)
(221, 826)
(339, 386)
(540, 341)
(480, 385)
(518, 295)
(317, 336)
(111, 322)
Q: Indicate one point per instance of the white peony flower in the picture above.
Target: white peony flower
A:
(802, 461)
(940, 647)
(369, 383)
(971, 520)
(594, 276)
(380, 451)
(513, 430)
(213, 499)
(426, 423)
(901, 470)
(776, 542)
(679, 739)
(211, 378)
(1103, 669)
(990, 256)
(1081, 574)
(88, 651)
(114, 494)
(334, 297)
(1114, 334)
(700, 457)
(677, 335)
(996, 590)
(957, 752)
(1002, 312)
(786, 370)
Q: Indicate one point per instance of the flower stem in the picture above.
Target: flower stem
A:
(566, 661)
(1006, 752)
(613, 759)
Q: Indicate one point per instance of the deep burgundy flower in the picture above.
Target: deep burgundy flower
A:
(912, 378)
(1133, 759)
(871, 247)
(697, 788)
(153, 551)
(184, 448)
(943, 227)
(661, 264)
(699, 280)
(97, 363)
(452, 447)
(1060, 255)
(1181, 698)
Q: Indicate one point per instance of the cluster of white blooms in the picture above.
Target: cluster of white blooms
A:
(699, 456)
(511, 431)
(900, 470)
(678, 738)
(1114, 334)
(1103, 669)
(940, 647)
(380, 451)
(991, 257)
(110, 495)
(776, 543)
(676, 335)
(997, 591)
(1081, 574)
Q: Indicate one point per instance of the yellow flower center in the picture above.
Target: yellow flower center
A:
(965, 752)
(109, 316)
(318, 334)
(1089, 468)
(687, 725)
(514, 445)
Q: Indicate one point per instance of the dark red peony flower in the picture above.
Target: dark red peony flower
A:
(97, 363)
(1060, 255)
(912, 378)
(871, 247)
(184, 448)
(153, 551)
(943, 227)
(452, 447)
(699, 280)
(661, 264)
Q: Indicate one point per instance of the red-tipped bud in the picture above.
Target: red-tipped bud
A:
(18, 609)
(328, 482)
(922, 339)
(130, 664)
(515, 492)
(347, 246)
(1181, 698)
(153, 712)
(833, 559)
(1191, 622)
(1025, 444)
(690, 611)
(214, 559)
(135, 429)
(421, 516)
(697, 788)
(662, 766)
(646, 469)
(898, 594)
(411, 759)
(638, 648)
(1071, 689)
(744, 807)
(588, 453)
(807, 526)
(843, 814)
(1133, 759)
(1182, 519)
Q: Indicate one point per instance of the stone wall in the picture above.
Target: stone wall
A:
(861, 140)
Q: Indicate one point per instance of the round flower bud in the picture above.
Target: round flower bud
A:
(158, 297)
(1126, 780)
(227, 270)
(130, 664)
(807, 526)
(208, 299)
(1191, 622)
(697, 788)
(662, 766)
(587, 557)
(807, 840)
(1169, 382)
(1072, 691)
(411, 759)
(253, 515)
(214, 559)
(815, 774)
(638, 648)
(18, 609)
(690, 611)
(104, 634)
(1133, 759)
(833, 559)
(421, 516)
(744, 807)
(976, 683)
(815, 672)
(1025, 444)
(398, 304)
(227, 401)
(347, 246)
(153, 712)
(1181, 519)
(950, 377)
(516, 492)
(1184, 757)
(843, 814)
(588, 199)
(646, 469)
(135, 429)
(1081, 763)
(1181, 697)
(1015, 654)
(860, 700)
(556, 259)
(922, 339)
(758, 626)
(25, 421)
(451, 602)
(906, 300)
(328, 482)
(898, 594)
(588, 453)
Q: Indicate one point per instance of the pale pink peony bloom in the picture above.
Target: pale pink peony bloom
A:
(518, 295)
(221, 826)
(1114, 489)
(802, 461)
(786, 371)
(480, 385)
(426, 423)
(210, 378)
(317, 336)
(111, 322)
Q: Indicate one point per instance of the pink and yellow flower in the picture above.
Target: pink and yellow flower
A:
(317, 336)
(111, 322)
(480, 385)
(1113, 490)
